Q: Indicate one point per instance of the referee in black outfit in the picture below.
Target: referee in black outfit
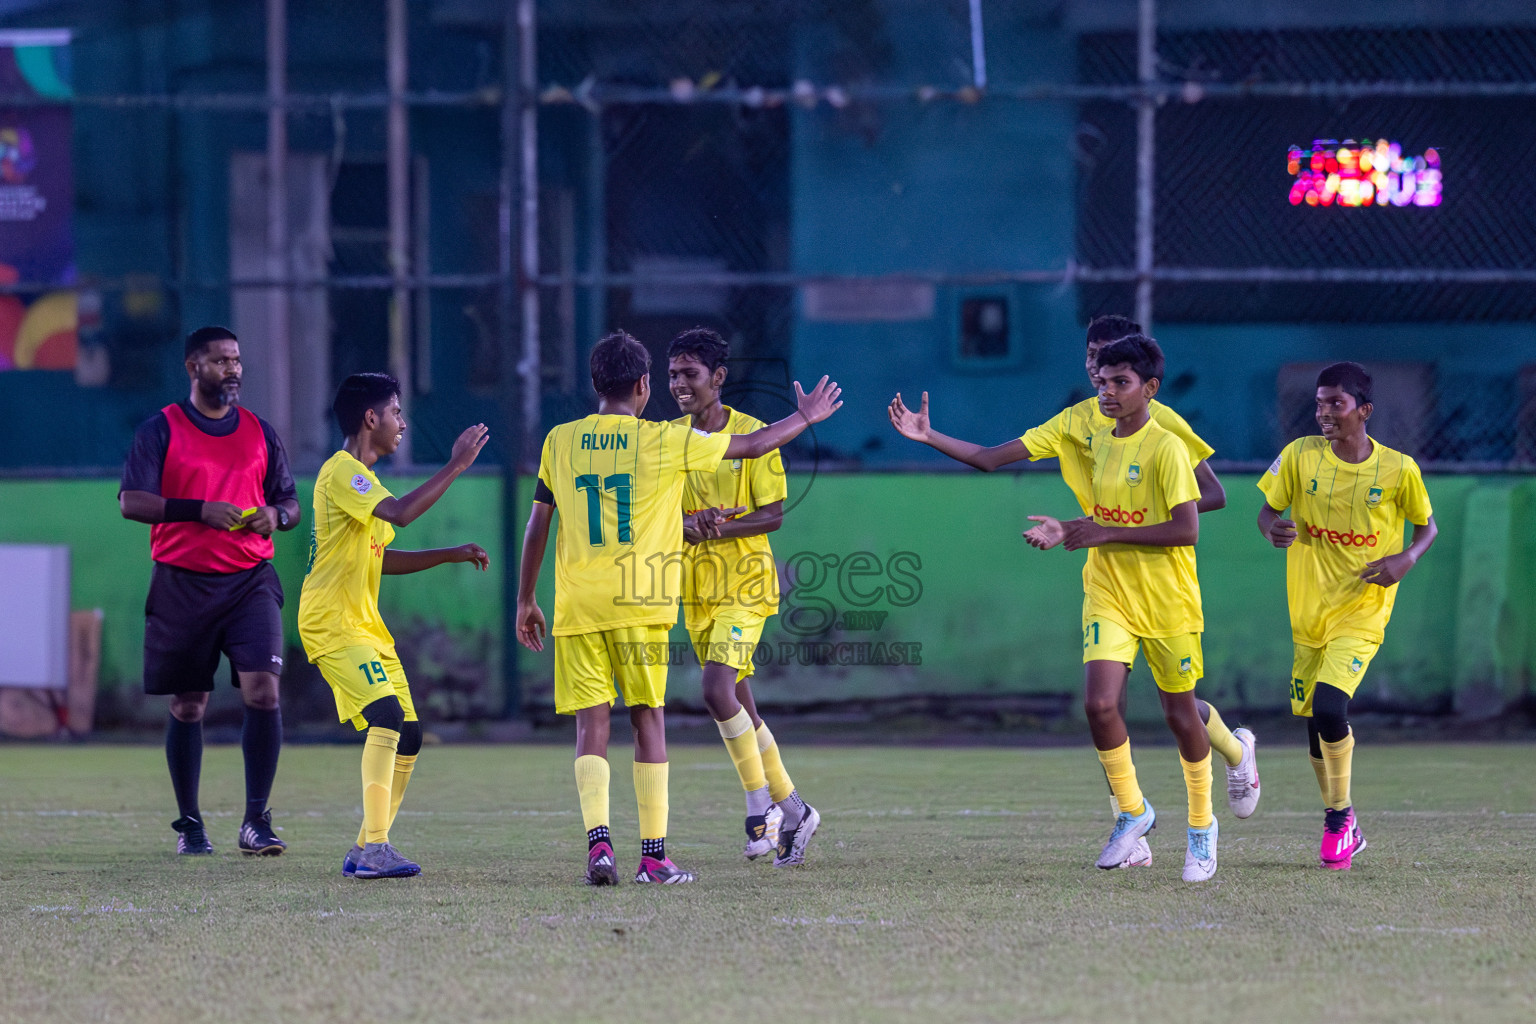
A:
(213, 480)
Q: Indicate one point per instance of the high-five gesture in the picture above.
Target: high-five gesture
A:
(909, 424)
(467, 448)
(822, 402)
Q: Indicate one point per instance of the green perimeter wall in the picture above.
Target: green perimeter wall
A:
(940, 554)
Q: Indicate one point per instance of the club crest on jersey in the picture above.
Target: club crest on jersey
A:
(1355, 665)
(1185, 668)
(735, 465)
(1373, 497)
(735, 632)
(361, 484)
(1133, 474)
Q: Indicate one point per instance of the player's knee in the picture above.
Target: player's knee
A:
(385, 713)
(1100, 708)
(720, 695)
(1330, 712)
(189, 707)
(410, 739)
(259, 691)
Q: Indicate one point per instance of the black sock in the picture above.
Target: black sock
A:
(261, 740)
(597, 835)
(654, 848)
(184, 757)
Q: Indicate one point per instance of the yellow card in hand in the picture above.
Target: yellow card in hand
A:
(243, 517)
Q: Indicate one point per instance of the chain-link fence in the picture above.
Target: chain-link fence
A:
(771, 168)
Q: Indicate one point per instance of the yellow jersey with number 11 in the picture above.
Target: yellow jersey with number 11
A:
(618, 483)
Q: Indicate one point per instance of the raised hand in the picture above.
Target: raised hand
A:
(467, 448)
(909, 424)
(821, 403)
(472, 553)
(1282, 533)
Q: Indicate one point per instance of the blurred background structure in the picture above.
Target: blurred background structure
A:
(907, 195)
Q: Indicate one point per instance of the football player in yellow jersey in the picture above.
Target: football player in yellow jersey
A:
(1349, 497)
(339, 621)
(1068, 437)
(730, 587)
(618, 572)
(1142, 593)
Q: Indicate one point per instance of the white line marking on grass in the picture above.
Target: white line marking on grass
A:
(833, 920)
(1392, 928)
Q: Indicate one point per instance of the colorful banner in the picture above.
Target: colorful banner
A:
(38, 331)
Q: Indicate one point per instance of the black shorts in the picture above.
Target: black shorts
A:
(190, 618)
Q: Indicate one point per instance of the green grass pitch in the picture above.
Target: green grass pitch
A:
(946, 884)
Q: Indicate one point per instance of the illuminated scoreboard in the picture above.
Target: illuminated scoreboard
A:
(1363, 173)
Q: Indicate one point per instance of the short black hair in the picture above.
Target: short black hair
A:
(617, 362)
(359, 393)
(1352, 377)
(199, 339)
(1139, 352)
(1111, 327)
(702, 344)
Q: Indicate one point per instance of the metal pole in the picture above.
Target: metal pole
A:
(978, 48)
(511, 416)
(398, 170)
(528, 100)
(1146, 119)
(279, 368)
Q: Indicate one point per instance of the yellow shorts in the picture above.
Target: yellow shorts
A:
(1341, 663)
(730, 640)
(361, 675)
(588, 665)
(1176, 661)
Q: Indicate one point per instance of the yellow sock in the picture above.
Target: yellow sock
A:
(741, 744)
(651, 795)
(1222, 740)
(404, 765)
(1339, 758)
(378, 781)
(1320, 767)
(592, 787)
(1197, 782)
(779, 784)
(1121, 772)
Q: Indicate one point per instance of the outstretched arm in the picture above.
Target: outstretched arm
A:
(822, 402)
(400, 563)
(1213, 496)
(916, 426)
(531, 626)
(404, 511)
(1389, 570)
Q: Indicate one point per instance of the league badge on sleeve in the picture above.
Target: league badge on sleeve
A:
(361, 484)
